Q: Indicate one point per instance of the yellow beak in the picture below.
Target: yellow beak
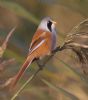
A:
(54, 22)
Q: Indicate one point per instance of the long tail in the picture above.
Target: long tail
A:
(22, 70)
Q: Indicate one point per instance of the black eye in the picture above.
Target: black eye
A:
(49, 24)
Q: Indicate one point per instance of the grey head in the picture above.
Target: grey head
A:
(47, 24)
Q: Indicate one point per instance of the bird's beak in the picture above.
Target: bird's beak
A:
(54, 22)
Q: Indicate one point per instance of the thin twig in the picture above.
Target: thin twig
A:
(4, 45)
(6, 62)
(26, 83)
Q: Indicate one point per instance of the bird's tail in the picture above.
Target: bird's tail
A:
(22, 70)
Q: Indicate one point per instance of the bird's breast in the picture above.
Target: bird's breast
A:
(53, 40)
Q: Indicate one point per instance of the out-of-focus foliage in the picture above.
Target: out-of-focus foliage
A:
(25, 14)
(60, 90)
(18, 10)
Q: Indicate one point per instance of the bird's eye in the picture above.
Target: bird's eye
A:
(49, 24)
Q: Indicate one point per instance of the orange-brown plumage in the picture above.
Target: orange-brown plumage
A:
(40, 46)
(45, 48)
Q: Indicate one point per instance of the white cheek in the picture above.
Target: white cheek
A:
(43, 26)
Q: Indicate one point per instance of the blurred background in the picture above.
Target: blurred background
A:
(25, 15)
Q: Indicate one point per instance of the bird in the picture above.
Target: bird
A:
(42, 44)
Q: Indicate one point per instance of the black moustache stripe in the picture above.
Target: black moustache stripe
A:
(49, 24)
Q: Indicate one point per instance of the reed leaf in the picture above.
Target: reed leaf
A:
(19, 10)
(60, 90)
(82, 77)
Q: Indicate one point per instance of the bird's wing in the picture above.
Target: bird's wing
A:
(38, 39)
